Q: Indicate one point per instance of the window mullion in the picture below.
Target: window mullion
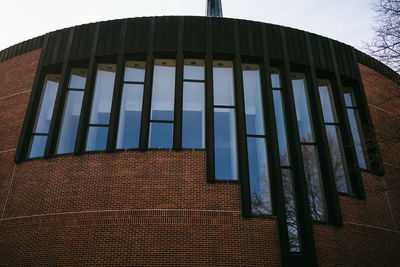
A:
(177, 132)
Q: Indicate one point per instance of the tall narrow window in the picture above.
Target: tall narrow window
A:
(256, 141)
(131, 105)
(333, 134)
(224, 122)
(101, 107)
(162, 104)
(193, 117)
(286, 167)
(308, 148)
(72, 111)
(44, 115)
(355, 125)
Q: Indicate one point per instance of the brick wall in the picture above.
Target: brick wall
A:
(155, 207)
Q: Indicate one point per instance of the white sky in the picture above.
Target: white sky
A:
(348, 21)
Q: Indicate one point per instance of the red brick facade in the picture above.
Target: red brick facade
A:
(156, 208)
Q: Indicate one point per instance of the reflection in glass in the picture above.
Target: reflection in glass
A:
(314, 183)
(162, 102)
(259, 176)
(193, 69)
(281, 127)
(97, 138)
(275, 78)
(223, 83)
(337, 158)
(161, 135)
(134, 71)
(103, 93)
(130, 116)
(225, 144)
(302, 108)
(77, 79)
(70, 121)
(193, 116)
(328, 108)
(38, 144)
(252, 99)
(290, 207)
(355, 126)
(46, 105)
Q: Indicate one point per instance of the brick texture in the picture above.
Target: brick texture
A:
(156, 208)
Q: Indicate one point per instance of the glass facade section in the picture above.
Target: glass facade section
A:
(161, 135)
(308, 147)
(72, 111)
(131, 105)
(256, 144)
(225, 144)
(44, 116)
(193, 109)
(355, 125)
(332, 127)
(101, 107)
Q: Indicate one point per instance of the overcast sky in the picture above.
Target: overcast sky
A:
(348, 21)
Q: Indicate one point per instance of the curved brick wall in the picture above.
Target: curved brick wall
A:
(155, 207)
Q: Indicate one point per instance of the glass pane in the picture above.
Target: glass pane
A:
(302, 108)
(103, 94)
(314, 182)
(193, 115)
(281, 128)
(70, 121)
(223, 83)
(130, 116)
(225, 144)
(193, 69)
(252, 99)
(355, 126)
(349, 97)
(327, 102)
(38, 145)
(162, 102)
(291, 214)
(275, 78)
(46, 105)
(78, 78)
(97, 138)
(338, 159)
(134, 71)
(259, 176)
(161, 135)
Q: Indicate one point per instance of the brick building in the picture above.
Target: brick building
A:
(197, 141)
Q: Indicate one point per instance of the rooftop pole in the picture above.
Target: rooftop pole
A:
(214, 8)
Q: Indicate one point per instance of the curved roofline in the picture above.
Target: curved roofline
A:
(36, 43)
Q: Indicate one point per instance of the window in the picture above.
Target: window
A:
(44, 116)
(72, 111)
(286, 168)
(162, 104)
(355, 125)
(308, 148)
(131, 105)
(101, 107)
(193, 117)
(224, 122)
(256, 141)
(333, 134)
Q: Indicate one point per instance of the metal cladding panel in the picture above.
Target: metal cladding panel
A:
(321, 53)
(274, 41)
(222, 36)
(195, 34)
(296, 43)
(82, 41)
(250, 38)
(109, 37)
(344, 59)
(137, 35)
(56, 47)
(166, 34)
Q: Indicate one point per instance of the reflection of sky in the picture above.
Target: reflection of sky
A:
(302, 110)
(281, 128)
